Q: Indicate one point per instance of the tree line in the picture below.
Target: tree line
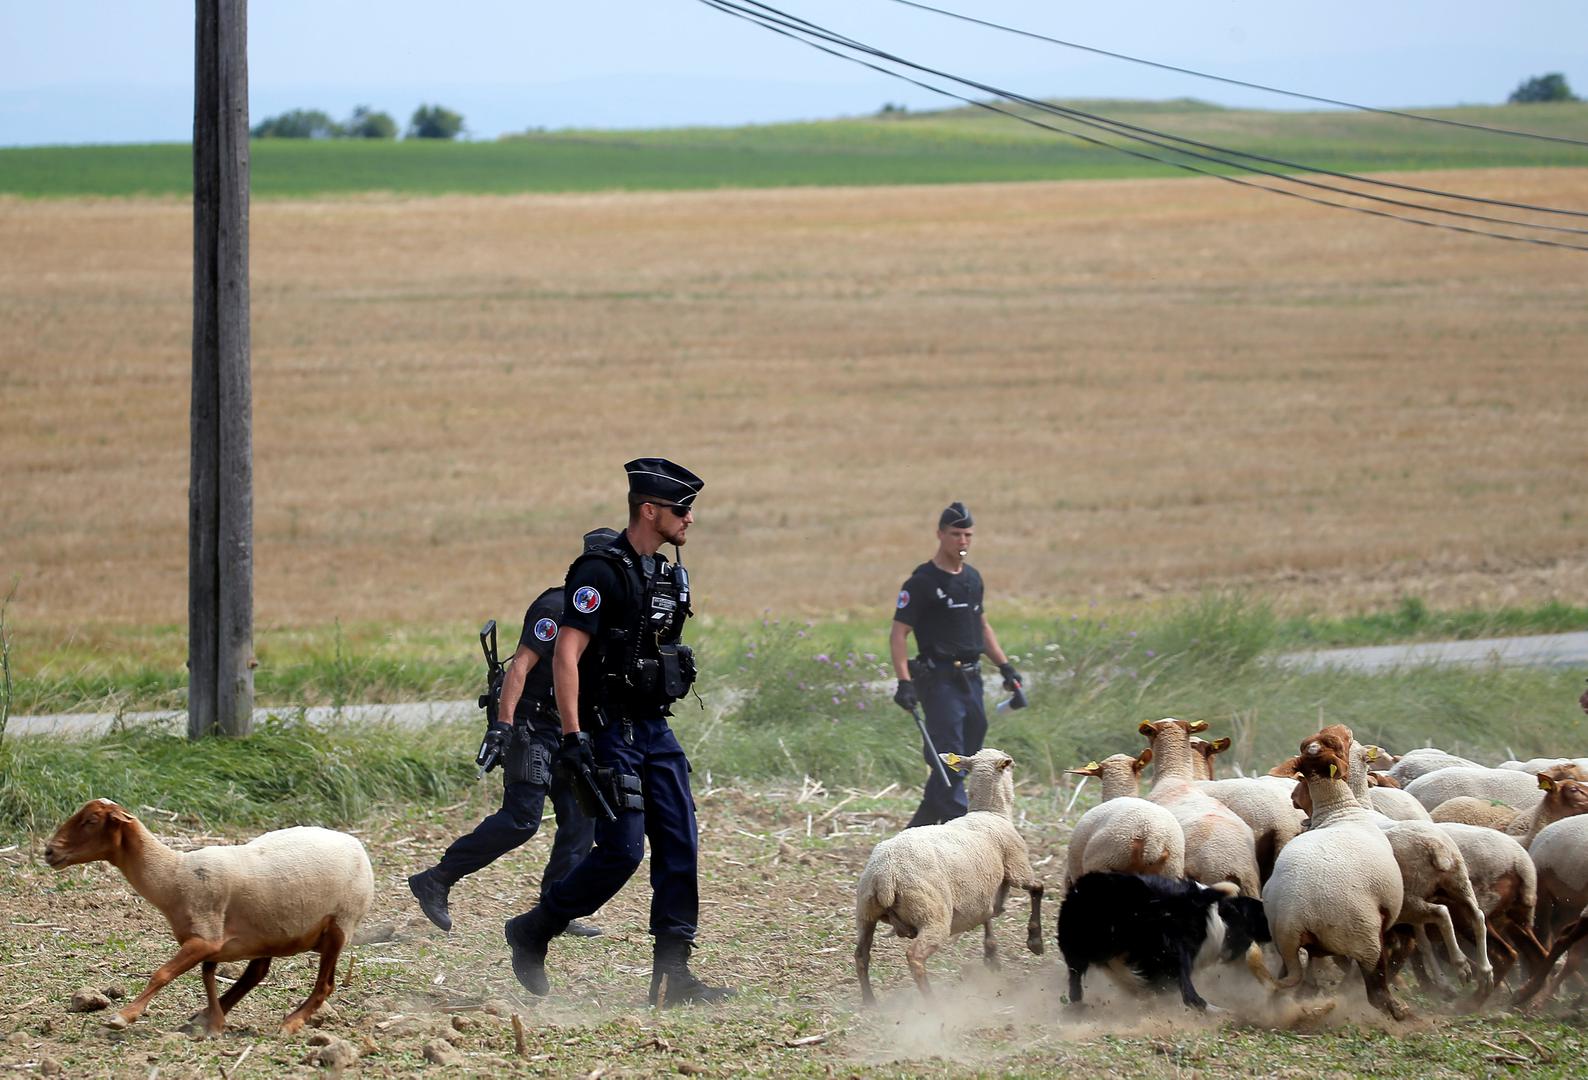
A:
(427, 122)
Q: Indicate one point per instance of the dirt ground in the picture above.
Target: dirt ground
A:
(1140, 387)
(778, 873)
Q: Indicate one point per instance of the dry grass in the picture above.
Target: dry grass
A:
(1139, 386)
(776, 922)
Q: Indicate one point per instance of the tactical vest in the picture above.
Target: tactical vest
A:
(642, 664)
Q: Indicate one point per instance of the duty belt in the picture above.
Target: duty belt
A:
(932, 666)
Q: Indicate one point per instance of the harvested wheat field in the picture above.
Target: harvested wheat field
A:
(1141, 387)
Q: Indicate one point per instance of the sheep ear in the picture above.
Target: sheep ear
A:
(953, 761)
(1334, 770)
(1004, 763)
(1545, 783)
(1144, 758)
(1221, 745)
(1147, 729)
(1197, 725)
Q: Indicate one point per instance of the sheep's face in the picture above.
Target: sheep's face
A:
(1382, 779)
(1325, 755)
(1566, 797)
(1566, 770)
(989, 779)
(88, 835)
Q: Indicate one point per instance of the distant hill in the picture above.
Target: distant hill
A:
(895, 147)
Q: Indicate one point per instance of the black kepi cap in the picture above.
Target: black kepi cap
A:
(955, 516)
(658, 478)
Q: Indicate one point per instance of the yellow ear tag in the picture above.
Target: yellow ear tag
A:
(1372, 753)
(1093, 765)
(1334, 770)
(1544, 782)
(953, 760)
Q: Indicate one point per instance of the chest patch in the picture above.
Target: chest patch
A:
(943, 596)
(586, 599)
(546, 629)
(904, 599)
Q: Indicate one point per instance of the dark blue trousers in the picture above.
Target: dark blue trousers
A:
(951, 705)
(668, 821)
(517, 821)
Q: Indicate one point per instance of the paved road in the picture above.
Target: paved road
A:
(1546, 650)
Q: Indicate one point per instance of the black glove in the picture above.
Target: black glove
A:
(577, 753)
(494, 745)
(904, 697)
(1012, 679)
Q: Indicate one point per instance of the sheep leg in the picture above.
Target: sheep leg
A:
(868, 930)
(1375, 977)
(1034, 924)
(330, 947)
(1545, 978)
(193, 952)
(989, 946)
(928, 940)
(252, 975)
(1075, 985)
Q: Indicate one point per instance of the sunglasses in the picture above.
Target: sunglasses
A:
(677, 509)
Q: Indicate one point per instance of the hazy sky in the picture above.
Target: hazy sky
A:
(76, 71)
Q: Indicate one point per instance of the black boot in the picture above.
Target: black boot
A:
(528, 935)
(671, 966)
(431, 892)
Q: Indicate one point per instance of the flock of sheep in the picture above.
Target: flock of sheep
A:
(1341, 851)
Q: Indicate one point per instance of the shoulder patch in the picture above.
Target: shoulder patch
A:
(904, 598)
(586, 599)
(546, 629)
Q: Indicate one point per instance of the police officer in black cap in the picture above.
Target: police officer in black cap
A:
(619, 665)
(527, 746)
(941, 604)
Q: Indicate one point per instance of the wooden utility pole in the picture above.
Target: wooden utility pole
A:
(220, 495)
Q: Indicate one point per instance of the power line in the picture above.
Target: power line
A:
(1125, 129)
(802, 30)
(1423, 117)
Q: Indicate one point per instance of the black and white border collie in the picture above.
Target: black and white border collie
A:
(1151, 931)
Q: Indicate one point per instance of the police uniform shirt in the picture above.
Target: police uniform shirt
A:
(944, 610)
(541, 624)
(598, 600)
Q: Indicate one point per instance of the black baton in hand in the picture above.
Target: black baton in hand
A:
(930, 749)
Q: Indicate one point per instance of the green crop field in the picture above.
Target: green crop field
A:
(957, 146)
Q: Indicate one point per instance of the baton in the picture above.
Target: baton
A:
(942, 771)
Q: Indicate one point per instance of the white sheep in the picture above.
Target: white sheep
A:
(935, 881)
(1506, 886)
(1434, 880)
(1336, 889)
(1124, 833)
(1517, 790)
(1218, 845)
(1560, 855)
(1389, 800)
(1424, 760)
(283, 893)
(1534, 766)
(1562, 799)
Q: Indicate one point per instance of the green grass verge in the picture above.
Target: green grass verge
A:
(956, 146)
(789, 698)
(143, 668)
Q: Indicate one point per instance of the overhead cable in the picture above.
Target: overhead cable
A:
(803, 31)
(1423, 117)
